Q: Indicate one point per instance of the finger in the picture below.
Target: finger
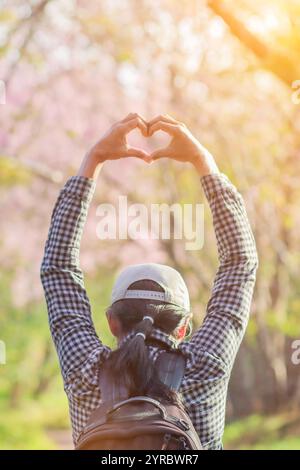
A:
(128, 117)
(128, 126)
(164, 118)
(160, 153)
(174, 121)
(139, 153)
(171, 129)
(132, 116)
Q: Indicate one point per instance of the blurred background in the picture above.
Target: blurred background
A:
(229, 70)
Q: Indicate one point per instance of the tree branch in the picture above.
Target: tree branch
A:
(281, 63)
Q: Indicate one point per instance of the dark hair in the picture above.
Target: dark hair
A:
(130, 364)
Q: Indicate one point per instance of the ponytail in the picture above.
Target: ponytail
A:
(130, 364)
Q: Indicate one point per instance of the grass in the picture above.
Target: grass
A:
(19, 431)
(27, 426)
(256, 432)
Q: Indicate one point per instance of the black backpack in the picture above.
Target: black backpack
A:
(141, 422)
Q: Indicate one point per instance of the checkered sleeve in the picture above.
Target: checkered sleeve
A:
(213, 347)
(68, 305)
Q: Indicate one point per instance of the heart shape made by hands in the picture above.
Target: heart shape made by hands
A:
(150, 144)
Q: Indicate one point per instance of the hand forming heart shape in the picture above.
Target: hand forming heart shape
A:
(183, 146)
(149, 142)
(165, 123)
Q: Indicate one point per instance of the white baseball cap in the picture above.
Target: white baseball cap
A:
(175, 289)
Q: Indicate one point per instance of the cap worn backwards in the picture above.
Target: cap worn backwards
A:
(171, 281)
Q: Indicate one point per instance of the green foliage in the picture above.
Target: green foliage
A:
(32, 400)
(7, 15)
(12, 172)
(264, 432)
(19, 433)
(29, 425)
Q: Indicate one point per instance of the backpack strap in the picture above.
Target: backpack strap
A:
(110, 391)
(171, 368)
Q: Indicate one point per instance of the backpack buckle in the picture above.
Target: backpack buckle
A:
(183, 424)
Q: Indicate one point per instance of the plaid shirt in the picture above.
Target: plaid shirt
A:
(211, 350)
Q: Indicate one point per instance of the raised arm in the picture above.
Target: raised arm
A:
(218, 339)
(68, 305)
(213, 347)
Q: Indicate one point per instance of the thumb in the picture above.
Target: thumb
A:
(160, 153)
(139, 153)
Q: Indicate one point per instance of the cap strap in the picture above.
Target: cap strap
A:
(144, 294)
